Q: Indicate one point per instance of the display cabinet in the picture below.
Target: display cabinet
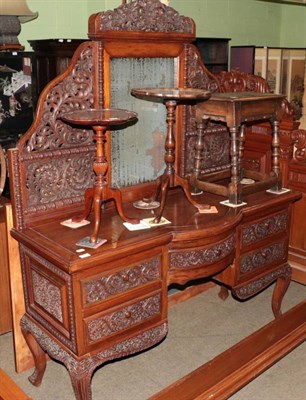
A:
(17, 95)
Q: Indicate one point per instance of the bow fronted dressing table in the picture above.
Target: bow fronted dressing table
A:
(85, 307)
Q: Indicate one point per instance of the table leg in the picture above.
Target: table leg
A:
(88, 199)
(198, 155)
(233, 189)
(241, 141)
(282, 284)
(276, 154)
(38, 354)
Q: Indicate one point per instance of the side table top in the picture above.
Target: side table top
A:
(245, 96)
(179, 94)
(103, 116)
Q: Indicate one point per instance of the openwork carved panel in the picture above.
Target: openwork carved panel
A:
(58, 157)
(237, 81)
(147, 16)
(47, 295)
(263, 257)
(216, 138)
(109, 285)
(248, 290)
(124, 318)
(200, 258)
(74, 92)
(265, 228)
(197, 76)
(54, 179)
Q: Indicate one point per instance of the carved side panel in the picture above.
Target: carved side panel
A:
(124, 318)
(119, 282)
(56, 158)
(48, 296)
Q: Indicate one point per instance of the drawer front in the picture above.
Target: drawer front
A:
(104, 325)
(265, 228)
(202, 256)
(263, 257)
(106, 285)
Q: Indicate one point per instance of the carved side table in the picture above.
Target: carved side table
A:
(236, 110)
(101, 120)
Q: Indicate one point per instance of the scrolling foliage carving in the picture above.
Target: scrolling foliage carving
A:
(147, 16)
(299, 137)
(57, 156)
(216, 138)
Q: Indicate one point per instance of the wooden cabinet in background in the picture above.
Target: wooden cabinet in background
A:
(52, 58)
(214, 53)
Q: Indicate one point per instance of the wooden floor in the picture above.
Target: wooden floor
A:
(9, 390)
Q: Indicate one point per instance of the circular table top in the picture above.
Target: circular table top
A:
(103, 116)
(179, 94)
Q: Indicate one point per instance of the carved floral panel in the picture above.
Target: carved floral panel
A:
(265, 228)
(128, 278)
(124, 318)
(201, 257)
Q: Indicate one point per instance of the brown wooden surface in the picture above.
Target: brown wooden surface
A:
(23, 356)
(5, 295)
(231, 370)
(9, 390)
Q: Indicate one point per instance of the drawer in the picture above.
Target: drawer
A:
(263, 257)
(200, 256)
(121, 279)
(127, 316)
(264, 228)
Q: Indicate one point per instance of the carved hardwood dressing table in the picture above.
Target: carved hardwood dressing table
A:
(84, 308)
